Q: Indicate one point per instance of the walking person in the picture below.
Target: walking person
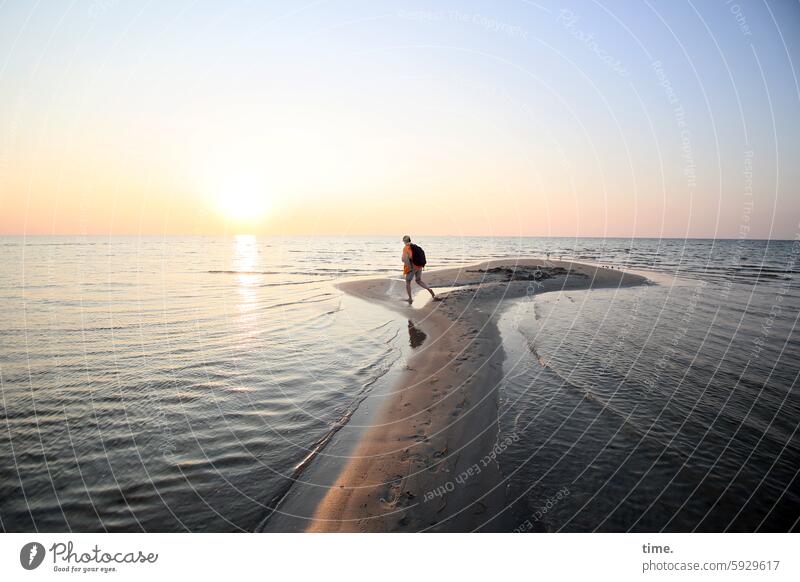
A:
(413, 262)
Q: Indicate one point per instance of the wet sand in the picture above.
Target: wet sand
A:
(429, 461)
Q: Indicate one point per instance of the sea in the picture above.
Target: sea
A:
(184, 383)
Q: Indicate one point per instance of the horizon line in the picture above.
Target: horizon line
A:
(649, 237)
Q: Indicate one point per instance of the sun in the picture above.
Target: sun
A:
(243, 200)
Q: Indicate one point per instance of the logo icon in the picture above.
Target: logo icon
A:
(31, 555)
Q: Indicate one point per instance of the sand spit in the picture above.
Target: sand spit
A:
(429, 462)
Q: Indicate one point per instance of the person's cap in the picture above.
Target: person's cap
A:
(406, 239)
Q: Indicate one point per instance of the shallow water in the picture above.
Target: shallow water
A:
(168, 384)
(671, 407)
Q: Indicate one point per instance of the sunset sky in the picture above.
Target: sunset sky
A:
(448, 118)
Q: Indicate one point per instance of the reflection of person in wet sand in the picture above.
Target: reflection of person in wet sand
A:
(415, 335)
(413, 263)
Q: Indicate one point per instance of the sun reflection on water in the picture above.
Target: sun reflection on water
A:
(245, 261)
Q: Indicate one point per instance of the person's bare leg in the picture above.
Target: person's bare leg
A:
(408, 290)
(424, 286)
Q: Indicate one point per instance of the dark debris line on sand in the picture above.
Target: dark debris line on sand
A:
(520, 273)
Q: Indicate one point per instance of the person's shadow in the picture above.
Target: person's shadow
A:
(415, 335)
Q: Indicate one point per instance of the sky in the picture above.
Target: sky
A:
(515, 118)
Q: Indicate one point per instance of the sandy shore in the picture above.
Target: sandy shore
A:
(429, 461)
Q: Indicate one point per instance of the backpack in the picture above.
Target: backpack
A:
(418, 255)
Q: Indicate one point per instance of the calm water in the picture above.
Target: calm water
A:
(175, 384)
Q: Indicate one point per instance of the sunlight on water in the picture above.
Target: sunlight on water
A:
(245, 261)
(177, 383)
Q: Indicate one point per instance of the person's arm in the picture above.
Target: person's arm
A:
(407, 260)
